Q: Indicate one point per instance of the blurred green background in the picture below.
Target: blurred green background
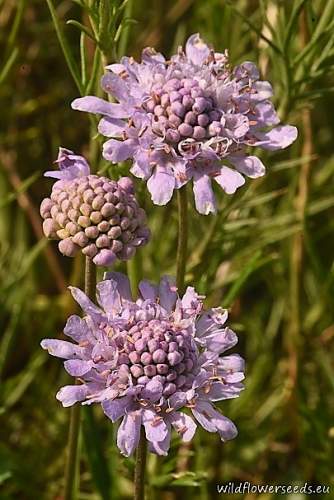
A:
(267, 255)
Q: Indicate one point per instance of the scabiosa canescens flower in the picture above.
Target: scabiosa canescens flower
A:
(92, 213)
(193, 117)
(148, 359)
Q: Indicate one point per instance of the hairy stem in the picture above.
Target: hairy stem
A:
(140, 467)
(181, 256)
(74, 430)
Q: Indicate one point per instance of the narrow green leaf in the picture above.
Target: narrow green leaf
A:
(264, 198)
(326, 52)
(16, 24)
(326, 364)
(315, 94)
(94, 449)
(293, 21)
(83, 62)
(255, 29)
(324, 26)
(82, 27)
(325, 19)
(8, 337)
(4, 476)
(125, 32)
(95, 72)
(8, 65)
(254, 263)
(23, 187)
(65, 48)
(16, 387)
(283, 165)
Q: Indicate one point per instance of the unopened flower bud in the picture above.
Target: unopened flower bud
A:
(80, 239)
(67, 247)
(104, 258)
(96, 217)
(49, 228)
(95, 214)
(45, 207)
(108, 210)
(90, 250)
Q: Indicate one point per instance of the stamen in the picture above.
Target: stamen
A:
(144, 402)
(182, 430)
(142, 131)
(156, 421)
(207, 388)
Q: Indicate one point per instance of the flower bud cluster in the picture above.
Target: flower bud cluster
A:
(96, 215)
(156, 350)
(181, 109)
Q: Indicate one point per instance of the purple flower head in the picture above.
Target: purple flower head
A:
(193, 117)
(91, 213)
(147, 360)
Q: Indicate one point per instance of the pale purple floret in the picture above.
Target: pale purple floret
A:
(92, 213)
(147, 360)
(193, 117)
(70, 166)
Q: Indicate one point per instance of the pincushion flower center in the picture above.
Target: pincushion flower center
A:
(156, 350)
(181, 109)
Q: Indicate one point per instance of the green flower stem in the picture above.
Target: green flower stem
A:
(181, 257)
(140, 467)
(134, 275)
(74, 430)
(90, 279)
(72, 459)
(134, 270)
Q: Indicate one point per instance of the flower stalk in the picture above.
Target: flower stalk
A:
(140, 467)
(134, 271)
(73, 455)
(181, 257)
(134, 275)
(75, 420)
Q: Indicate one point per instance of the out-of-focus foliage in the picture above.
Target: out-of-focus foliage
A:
(268, 254)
